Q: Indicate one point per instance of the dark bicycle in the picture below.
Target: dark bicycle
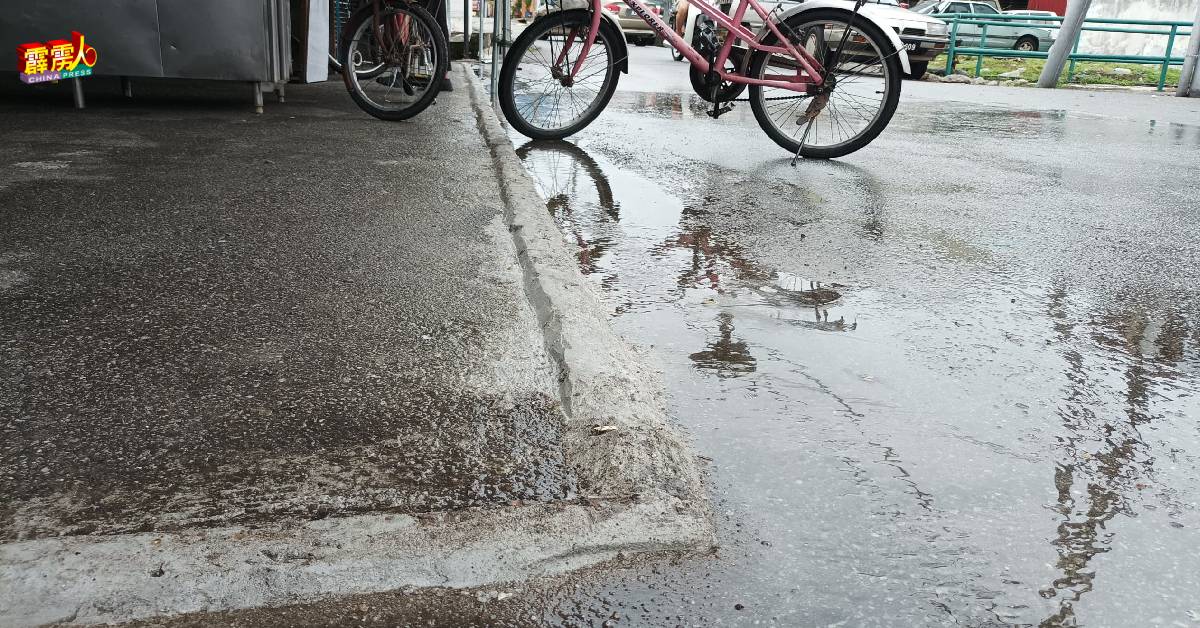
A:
(393, 56)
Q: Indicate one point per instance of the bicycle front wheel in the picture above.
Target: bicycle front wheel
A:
(393, 66)
(538, 94)
(857, 99)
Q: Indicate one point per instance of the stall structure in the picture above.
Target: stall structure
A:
(225, 40)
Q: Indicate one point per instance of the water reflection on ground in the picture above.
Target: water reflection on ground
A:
(982, 446)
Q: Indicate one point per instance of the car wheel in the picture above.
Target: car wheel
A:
(918, 69)
(1026, 44)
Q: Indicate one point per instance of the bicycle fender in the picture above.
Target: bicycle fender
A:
(573, 5)
(865, 12)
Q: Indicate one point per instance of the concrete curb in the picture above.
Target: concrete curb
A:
(642, 490)
(603, 382)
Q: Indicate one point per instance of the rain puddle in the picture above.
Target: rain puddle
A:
(918, 433)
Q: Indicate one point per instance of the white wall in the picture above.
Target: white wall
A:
(1131, 44)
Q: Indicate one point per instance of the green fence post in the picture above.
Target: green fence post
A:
(1162, 77)
(1074, 50)
(950, 50)
(982, 44)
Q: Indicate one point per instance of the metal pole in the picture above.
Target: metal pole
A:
(497, 31)
(482, 10)
(77, 88)
(950, 49)
(507, 25)
(258, 98)
(1194, 92)
(1071, 70)
(466, 51)
(982, 44)
(1071, 27)
(1188, 74)
(1166, 64)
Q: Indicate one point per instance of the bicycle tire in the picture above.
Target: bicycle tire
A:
(873, 129)
(441, 62)
(535, 31)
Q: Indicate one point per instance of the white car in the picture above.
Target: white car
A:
(924, 37)
(1053, 31)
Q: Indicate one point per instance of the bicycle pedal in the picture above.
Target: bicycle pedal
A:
(720, 111)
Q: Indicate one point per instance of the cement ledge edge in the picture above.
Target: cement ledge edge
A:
(604, 380)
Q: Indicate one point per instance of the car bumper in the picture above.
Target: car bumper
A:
(635, 26)
(924, 48)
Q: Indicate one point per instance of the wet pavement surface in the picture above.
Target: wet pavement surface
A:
(212, 317)
(948, 380)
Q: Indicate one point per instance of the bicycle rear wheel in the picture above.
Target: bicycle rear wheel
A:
(405, 57)
(857, 100)
(538, 96)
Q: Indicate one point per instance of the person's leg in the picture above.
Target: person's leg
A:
(681, 11)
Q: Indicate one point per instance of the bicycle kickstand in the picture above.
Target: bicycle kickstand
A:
(803, 137)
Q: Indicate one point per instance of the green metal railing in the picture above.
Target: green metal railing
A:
(1173, 30)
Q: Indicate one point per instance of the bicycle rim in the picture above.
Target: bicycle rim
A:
(862, 98)
(544, 96)
(396, 66)
(364, 65)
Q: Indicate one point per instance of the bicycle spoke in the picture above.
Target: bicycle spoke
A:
(402, 58)
(544, 94)
(846, 105)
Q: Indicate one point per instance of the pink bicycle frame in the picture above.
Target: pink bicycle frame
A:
(808, 69)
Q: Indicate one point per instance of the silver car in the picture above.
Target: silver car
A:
(1024, 38)
(924, 37)
(637, 31)
(1035, 18)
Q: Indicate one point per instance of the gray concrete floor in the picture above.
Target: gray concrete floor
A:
(214, 317)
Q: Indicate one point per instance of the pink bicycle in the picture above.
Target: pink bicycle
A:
(823, 77)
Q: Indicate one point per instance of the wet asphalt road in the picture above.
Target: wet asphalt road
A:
(950, 379)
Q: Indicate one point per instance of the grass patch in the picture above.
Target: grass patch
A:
(1086, 72)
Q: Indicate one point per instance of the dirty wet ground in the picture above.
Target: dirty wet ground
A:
(948, 380)
(210, 317)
